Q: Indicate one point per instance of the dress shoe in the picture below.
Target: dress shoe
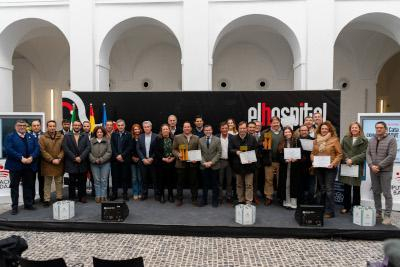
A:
(113, 197)
(83, 200)
(328, 215)
(256, 201)
(202, 204)
(179, 203)
(268, 202)
(14, 211)
(162, 199)
(344, 211)
(46, 204)
(143, 198)
(29, 207)
(157, 198)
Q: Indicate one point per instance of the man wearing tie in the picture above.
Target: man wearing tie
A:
(145, 148)
(211, 150)
(121, 145)
(37, 133)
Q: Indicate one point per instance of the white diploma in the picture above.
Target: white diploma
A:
(351, 171)
(292, 153)
(248, 157)
(194, 155)
(322, 161)
(307, 144)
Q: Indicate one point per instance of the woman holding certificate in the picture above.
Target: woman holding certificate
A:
(326, 156)
(354, 146)
(290, 155)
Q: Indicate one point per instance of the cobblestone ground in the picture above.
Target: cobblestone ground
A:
(199, 251)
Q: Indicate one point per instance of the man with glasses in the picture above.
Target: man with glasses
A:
(22, 152)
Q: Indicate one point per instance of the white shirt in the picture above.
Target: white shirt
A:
(224, 145)
(147, 142)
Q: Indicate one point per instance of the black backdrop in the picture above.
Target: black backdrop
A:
(215, 107)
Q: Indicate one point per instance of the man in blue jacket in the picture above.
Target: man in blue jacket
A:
(22, 152)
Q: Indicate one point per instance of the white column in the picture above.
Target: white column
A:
(81, 45)
(300, 76)
(6, 88)
(320, 44)
(195, 73)
(102, 77)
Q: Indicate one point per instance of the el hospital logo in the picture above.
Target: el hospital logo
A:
(264, 112)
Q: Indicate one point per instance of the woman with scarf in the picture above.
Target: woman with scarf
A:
(289, 179)
(327, 144)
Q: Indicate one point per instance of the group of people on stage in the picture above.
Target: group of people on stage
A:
(140, 158)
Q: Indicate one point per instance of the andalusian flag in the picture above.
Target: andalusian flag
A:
(104, 115)
(73, 116)
(91, 118)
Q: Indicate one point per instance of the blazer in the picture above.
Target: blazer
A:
(181, 139)
(250, 143)
(159, 151)
(51, 149)
(141, 146)
(15, 149)
(211, 153)
(73, 150)
(126, 146)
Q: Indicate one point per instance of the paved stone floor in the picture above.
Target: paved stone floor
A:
(198, 251)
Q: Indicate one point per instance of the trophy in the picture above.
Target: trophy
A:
(183, 150)
(243, 148)
(267, 141)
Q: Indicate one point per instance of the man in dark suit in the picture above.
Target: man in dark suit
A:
(36, 127)
(22, 152)
(172, 123)
(210, 147)
(121, 144)
(225, 171)
(76, 147)
(66, 125)
(145, 148)
(86, 129)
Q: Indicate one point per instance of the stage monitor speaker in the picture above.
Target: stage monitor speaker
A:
(114, 211)
(310, 215)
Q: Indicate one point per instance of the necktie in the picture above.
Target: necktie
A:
(208, 142)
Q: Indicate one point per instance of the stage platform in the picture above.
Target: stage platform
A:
(152, 217)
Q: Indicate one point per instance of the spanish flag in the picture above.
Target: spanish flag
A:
(91, 118)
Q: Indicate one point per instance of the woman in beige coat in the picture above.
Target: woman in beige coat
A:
(327, 144)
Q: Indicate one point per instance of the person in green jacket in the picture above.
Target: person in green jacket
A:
(354, 146)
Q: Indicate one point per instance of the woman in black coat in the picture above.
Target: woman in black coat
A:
(289, 170)
(165, 163)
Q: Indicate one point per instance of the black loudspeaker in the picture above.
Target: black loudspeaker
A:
(310, 215)
(114, 211)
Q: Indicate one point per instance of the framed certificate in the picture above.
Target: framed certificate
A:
(194, 155)
(292, 153)
(351, 171)
(321, 161)
(248, 157)
(307, 144)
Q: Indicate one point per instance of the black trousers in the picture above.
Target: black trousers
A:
(210, 179)
(121, 176)
(165, 177)
(77, 181)
(26, 176)
(187, 173)
(347, 203)
(148, 176)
